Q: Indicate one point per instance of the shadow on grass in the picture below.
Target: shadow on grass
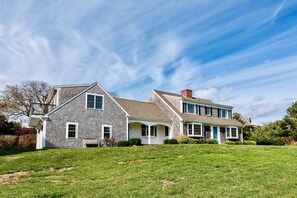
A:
(13, 152)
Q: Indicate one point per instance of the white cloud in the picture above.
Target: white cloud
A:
(218, 95)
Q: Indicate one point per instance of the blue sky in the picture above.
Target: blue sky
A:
(237, 52)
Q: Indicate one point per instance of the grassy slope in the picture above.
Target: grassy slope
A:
(159, 171)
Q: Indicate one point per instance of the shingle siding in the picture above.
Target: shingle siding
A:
(89, 121)
(170, 113)
(66, 93)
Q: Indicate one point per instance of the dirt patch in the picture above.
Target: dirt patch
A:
(13, 178)
(13, 158)
(166, 182)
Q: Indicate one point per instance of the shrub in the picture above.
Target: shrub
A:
(212, 141)
(123, 143)
(201, 141)
(170, 141)
(109, 142)
(182, 139)
(192, 141)
(9, 142)
(135, 141)
(249, 142)
(27, 141)
(229, 142)
(23, 131)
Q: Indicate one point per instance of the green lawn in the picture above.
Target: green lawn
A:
(157, 171)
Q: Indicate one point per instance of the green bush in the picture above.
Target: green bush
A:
(182, 139)
(170, 141)
(229, 142)
(135, 141)
(212, 141)
(192, 141)
(123, 143)
(201, 141)
(249, 142)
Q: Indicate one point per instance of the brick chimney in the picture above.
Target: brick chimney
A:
(187, 93)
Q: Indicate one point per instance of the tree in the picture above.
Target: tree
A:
(114, 94)
(16, 100)
(292, 110)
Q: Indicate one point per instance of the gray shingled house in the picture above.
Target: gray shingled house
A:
(82, 115)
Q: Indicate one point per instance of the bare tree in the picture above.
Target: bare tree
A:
(114, 94)
(16, 100)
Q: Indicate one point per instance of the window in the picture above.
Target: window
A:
(166, 131)
(190, 108)
(208, 111)
(197, 110)
(106, 131)
(230, 114)
(144, 130)
(194, 130)
(94, 101)
(224, 113)
(232, 132)
(71, 130)
(185, 107)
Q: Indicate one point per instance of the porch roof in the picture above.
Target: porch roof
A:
(143, 110)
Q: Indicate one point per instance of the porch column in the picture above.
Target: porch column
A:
(149, 134)
(219, 135)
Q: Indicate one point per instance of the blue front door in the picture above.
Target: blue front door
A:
(215, 133)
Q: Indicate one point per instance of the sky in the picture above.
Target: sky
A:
(236, 52)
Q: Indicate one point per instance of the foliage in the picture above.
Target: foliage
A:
(269, 135)
(109, 142)
(23, 131)
(292, 110)
(201, 141)
(237, 116)
(249, 142)
(123, 143)
(212, 141)
(17, 100)
(229, 142)
(135, 141)
(8, 142)
(27, 141)
(8, 128)
(192, 141)
(182, 139)
(170, 141)
(13, 142)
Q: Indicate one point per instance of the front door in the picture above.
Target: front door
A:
(215, 133)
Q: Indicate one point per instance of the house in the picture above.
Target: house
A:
(81, 115)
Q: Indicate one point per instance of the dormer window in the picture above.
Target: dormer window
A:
(224, 113)
(189, 108)
(94, 101)
(208, 111)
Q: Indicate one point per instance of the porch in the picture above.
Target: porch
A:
(149, 132)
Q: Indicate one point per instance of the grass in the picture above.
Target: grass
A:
(157, 171)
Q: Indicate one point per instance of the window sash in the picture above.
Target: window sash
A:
(191, 108)
(71, 130)
(144, 131)
(90, 101)
(166, 131)
(194, 129)
(232, 132)
(94, 101)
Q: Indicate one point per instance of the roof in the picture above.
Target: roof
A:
(195, 99)
(143, 110)
(196, 118)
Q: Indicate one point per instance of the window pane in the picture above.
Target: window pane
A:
(208, 111)
(166, 131)
(90, 101)
(233, 132)
(185, 109)
(153, 130)
(98, 102)
(191, 108)
(229, 114)
(143, 130)
(106, 132)
(71, 130)
(197, 129)
(190, 129)
(224, 113)
(228, 132)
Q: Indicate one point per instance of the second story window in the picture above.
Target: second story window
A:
(189, 108)
(208, 111)
(224, 113)
(94, 101)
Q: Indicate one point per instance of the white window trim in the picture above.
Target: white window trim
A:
(147, 131)
(106, 125)
(195, 107)
(76, 129)
(231, 127)
(201, 128)
(95, 101)
(227, 113)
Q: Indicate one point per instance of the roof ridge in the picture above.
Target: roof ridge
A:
(134, 100)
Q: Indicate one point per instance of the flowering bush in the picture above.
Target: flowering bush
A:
(23, 131)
